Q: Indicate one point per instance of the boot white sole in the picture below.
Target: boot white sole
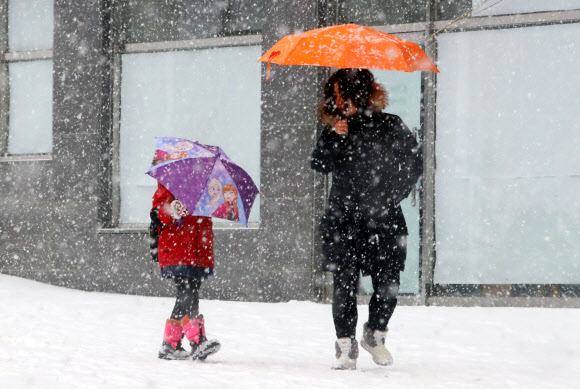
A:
(380, 362)
(350, 365)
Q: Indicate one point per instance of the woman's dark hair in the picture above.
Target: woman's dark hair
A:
(356, 85)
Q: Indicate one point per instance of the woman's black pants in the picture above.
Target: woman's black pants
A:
(187, 298)
(385, 280)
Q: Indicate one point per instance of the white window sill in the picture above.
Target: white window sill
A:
(26, 158)
(143, 228)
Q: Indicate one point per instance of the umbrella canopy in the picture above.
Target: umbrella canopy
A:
(204, 179)
(349, 46)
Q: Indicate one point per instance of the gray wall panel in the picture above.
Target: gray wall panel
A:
(281, 285)
(26, 181)
(289, 96)
(76, 164)
(287, 241)
(286, 152)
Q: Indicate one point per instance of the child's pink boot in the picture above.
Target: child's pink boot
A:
(171, 346)
(201, 347)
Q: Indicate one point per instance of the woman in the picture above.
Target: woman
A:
(185, 252)
(375, 162)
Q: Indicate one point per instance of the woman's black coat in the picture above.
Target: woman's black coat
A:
(374, 167)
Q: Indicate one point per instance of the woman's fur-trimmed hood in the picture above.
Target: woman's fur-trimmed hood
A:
(378, 100)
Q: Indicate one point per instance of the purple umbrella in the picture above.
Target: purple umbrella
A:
(204, 179)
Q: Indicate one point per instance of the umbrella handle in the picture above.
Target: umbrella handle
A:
(274, 54)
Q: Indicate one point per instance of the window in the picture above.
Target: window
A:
(508, 166)
(27, 69)
(30, 24)
(404, 91)
(30, 107)
(526, 6)
(453, 9)
(208, 90)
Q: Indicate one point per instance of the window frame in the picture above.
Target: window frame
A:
(502, 294)
(6, 58)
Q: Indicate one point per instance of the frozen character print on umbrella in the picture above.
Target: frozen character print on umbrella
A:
(375, 162)
(173, 152)
(229, 209)
(182, 146)
(163, 156)
(214, 189)
(173, 149)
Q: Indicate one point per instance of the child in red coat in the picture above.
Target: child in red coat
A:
(185, 251)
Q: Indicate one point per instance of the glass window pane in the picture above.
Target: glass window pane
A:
(211, 96)
(404, 91)
(451, 9)
(381, 12)
(525, 6)
(154, 21)
(30, 128)
(30, 24)
(508, 167)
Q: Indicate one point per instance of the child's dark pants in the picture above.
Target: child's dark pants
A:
(187, 298)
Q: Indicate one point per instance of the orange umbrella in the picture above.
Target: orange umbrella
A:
(349, 46)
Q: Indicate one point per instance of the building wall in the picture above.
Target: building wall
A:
(57, 223)
(55, 211)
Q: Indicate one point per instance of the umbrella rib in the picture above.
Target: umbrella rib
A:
(348, 50)
(350, 44)
(294, 48)
(403, 56)
(288, 54)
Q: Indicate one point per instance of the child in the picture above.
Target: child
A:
(185, 252)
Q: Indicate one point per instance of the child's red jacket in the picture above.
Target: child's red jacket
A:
(189, 243)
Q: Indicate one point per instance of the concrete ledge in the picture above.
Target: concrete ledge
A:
(495, 302)
(204, 43)
(26, 158)
(524, 302)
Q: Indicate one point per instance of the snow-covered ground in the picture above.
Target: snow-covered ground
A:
(54, 337)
